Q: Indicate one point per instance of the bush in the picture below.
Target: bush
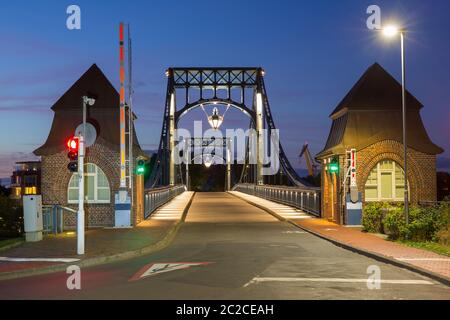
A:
(394, 222)
(443, 235)
(11, 220)
(372, 217)
(425, 223)
(423, 226)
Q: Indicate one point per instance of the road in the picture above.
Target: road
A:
(244, 253)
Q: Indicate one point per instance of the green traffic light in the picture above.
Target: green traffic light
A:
(140, 170)
(333, 167)
(140, 167)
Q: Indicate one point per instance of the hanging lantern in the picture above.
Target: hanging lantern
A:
(215, 120)
(208, 160)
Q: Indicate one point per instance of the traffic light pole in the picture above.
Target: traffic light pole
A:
(80, 220)
(81, 151)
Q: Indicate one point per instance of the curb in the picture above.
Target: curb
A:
(385, 259)
(12, 245)
(161, 244)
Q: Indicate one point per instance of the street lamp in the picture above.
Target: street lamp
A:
(208, 160)
(215, 120)
(392, 31)
(87, 100)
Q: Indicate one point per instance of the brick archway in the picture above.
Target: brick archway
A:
(389, 150)
(106, 158)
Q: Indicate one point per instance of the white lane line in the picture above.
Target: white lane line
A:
(6, 259)
(423, 259)
(341, 280)
(294, 232)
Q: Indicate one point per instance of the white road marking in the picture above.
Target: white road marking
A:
(294, 232)
(157, 268)
(341, 280)
(6, 259)
(423, 259)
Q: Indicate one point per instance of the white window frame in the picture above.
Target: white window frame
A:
(379, 198)
(96, 187)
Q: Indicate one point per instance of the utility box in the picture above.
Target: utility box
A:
(354, 210)
(122, 210)
(32, 218)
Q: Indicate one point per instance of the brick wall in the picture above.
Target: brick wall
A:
(421, 174)
(56, 176)
(421, 168)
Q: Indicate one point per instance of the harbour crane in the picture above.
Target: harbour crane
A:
(312, 166)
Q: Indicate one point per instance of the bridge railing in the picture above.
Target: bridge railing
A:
(305, 199)
(155, 198)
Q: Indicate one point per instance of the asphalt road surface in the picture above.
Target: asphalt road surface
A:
(228, 249)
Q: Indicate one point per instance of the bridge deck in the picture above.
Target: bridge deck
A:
(221, 207)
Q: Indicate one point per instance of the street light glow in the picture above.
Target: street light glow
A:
(208, 161)
(390, 31)
(216, 120)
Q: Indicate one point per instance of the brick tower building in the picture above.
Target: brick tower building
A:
(369, 119)
(102, 166)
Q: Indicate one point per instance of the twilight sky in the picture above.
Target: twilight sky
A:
(312, 51)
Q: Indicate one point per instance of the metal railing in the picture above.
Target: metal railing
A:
(307, 200)
(155, 198)
(430, 204)
(53, 218)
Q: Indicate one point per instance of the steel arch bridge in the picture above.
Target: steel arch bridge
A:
(240, 88)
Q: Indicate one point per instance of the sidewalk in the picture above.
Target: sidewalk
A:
(101, 244)
(421, 260)
(354, 237)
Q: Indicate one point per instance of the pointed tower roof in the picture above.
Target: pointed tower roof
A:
(375, 90)
(372, 112)
(104, 114)
(92, 81)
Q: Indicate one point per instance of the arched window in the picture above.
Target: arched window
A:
(385, 182)
(96, 186)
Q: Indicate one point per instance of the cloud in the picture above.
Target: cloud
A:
(24, 45)
(38, 77)
(7, 162)
(56, 81)
(443, 163)
(33, 104)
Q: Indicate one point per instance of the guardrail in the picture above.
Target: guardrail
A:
(429, 204)
(307, 200)
(53, 218)
(155, 198)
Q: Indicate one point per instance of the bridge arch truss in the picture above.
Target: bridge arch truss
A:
(240, 88)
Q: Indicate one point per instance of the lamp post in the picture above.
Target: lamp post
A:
(392, 31)
(81, 150)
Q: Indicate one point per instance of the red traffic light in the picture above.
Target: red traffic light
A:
(72, 144)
